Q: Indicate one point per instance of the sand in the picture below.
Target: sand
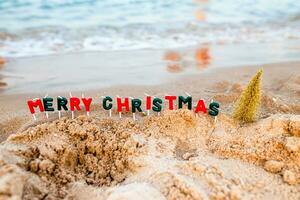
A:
(2, 63)
(178, 155)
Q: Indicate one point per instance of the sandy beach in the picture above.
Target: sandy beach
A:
(150, 100)
(178, 155)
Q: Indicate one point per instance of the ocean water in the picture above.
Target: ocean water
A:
(44, 27)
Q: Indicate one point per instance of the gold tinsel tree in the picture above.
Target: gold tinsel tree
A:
(248, 103)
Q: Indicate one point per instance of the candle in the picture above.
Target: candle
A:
(133, 113)
(148, 103)
(171, 100)
(187, 94)
(121, 104)
(214, 109)
(105, 105)
(72, 111)
(59, 112)
(33, 115)
(35, 103)
(120, 113)
(215, 118)
(182, 101)
(87, 104)
(136, 106)
(157, 105)
(46, 112)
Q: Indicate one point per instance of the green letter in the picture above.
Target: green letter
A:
(156, 104)
(109, 106)
(213, 108)
(183, 100)
(47, 101)
(136, 105)
(62, 102)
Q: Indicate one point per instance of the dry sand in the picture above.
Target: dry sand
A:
(177, 155)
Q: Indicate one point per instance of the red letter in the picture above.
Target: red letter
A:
(125, 104)
(74, 102)
(200, 106)
(148, 103)
(87, 103)
(171, 99)
(36, 103)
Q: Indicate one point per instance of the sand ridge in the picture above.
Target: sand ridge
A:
(175, 156)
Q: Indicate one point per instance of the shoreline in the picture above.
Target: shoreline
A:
(88, 70)
(181, 77)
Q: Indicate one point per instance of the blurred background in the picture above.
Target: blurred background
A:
(53, 43)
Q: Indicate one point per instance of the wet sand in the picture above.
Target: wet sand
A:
(175, 156)
(94, 70)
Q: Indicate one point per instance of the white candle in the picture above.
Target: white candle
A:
(109, 111)
(215, 118)
(120, 113)
(148, 111)
(72, 112)
(47, 116)
(33, 115)
(87, 113)
(59, 113)
(133, 114)
(188, 94)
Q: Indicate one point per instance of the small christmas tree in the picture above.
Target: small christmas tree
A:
(249, 101)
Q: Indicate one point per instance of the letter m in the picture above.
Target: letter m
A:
(35, 103)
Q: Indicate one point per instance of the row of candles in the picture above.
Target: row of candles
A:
(87, 103)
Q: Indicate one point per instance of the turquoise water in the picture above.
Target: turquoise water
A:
(33, 27)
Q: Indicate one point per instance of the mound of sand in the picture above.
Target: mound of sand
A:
(175, 156)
